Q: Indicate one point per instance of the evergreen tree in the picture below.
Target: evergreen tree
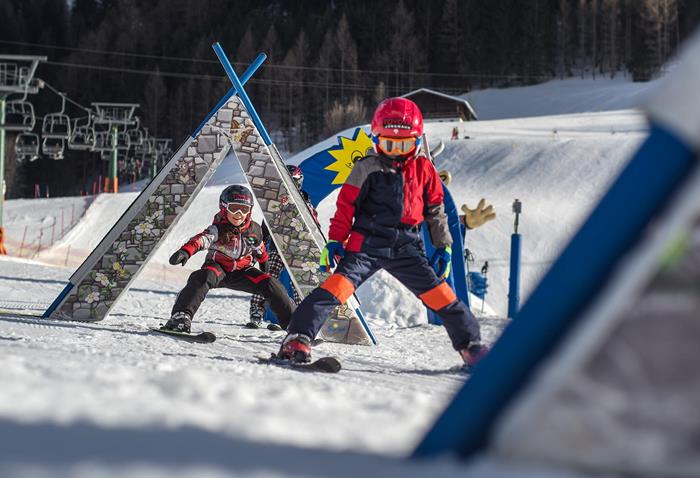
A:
(347, 56)
(155, 106)
(296, 114)
(448, 57)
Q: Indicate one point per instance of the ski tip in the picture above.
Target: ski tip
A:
(201, 338)
(328, 364)
(208, 336)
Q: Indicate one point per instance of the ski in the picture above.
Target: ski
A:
(324, 364)
(201, 338)
(269, 326)
(32, 314)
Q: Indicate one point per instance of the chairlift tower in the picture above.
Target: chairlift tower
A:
(116, 118)
(16, 77)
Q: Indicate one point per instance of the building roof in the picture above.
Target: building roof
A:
(442, 95)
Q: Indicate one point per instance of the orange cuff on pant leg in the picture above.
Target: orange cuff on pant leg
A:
(339, 286)
(438, 297)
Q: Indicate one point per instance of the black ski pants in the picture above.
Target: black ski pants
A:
(409, 265)
(251, 280)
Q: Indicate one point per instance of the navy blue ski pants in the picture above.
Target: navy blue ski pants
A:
(411, 269)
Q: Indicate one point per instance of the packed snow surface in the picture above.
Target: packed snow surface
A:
(113, 399)
(573, 95)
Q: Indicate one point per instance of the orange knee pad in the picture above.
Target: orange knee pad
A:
(438, 297)
(339, 286)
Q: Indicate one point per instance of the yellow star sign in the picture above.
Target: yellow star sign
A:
(350, 151)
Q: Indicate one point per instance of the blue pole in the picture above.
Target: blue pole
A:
(241, 92)
(555, 307)
(247, 74)
(514, 280)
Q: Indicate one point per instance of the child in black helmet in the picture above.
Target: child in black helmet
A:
(234, 242)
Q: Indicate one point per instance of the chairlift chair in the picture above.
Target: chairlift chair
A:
(53, 147)
(82, 137)
(149, 147)
(19, 116)
(136, 135)
(27, 147)
(57, 125)
(162, 145)
(103, 142)
(123, 141)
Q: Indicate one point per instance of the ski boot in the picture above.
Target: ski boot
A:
(256, 320)
(296, 348)
(179, 322)
(472, 355)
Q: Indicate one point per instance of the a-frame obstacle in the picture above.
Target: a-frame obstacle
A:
(97, 284)
(233, 125)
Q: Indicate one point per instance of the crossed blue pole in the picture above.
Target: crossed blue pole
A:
(238, 85)
(236, 89)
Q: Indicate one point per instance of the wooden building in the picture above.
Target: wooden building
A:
(440, 106)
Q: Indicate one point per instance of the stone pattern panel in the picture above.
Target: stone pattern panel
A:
(94, 295)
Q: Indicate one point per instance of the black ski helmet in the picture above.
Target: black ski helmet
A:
(297, 175)
(236, 194)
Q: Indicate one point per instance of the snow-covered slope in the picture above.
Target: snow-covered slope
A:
(31, 223)
(110, 399)
(573, 95)
(558, 166)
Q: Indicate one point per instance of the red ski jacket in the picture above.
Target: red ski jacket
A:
(382, 196)
(231, 247)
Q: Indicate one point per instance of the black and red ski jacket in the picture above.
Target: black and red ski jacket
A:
(232, 247)
(381, 197)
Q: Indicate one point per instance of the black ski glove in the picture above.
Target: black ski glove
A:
(180, 257)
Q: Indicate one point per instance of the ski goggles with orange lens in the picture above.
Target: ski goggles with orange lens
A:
(397, 145)
(240, 210)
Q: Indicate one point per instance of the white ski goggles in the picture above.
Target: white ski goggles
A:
(240, 210)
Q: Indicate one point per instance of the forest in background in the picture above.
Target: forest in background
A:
(329, 62)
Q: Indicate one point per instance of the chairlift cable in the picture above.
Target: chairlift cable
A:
(66, 97)
(257, 81)
(277, 66)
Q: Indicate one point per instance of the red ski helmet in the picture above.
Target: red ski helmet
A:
(397, 118)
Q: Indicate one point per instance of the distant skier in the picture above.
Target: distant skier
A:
(455, 133)
(234, 242)
(275, 266)
(380, 209)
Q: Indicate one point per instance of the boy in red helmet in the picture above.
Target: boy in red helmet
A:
(377, 224)
(234, 243)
